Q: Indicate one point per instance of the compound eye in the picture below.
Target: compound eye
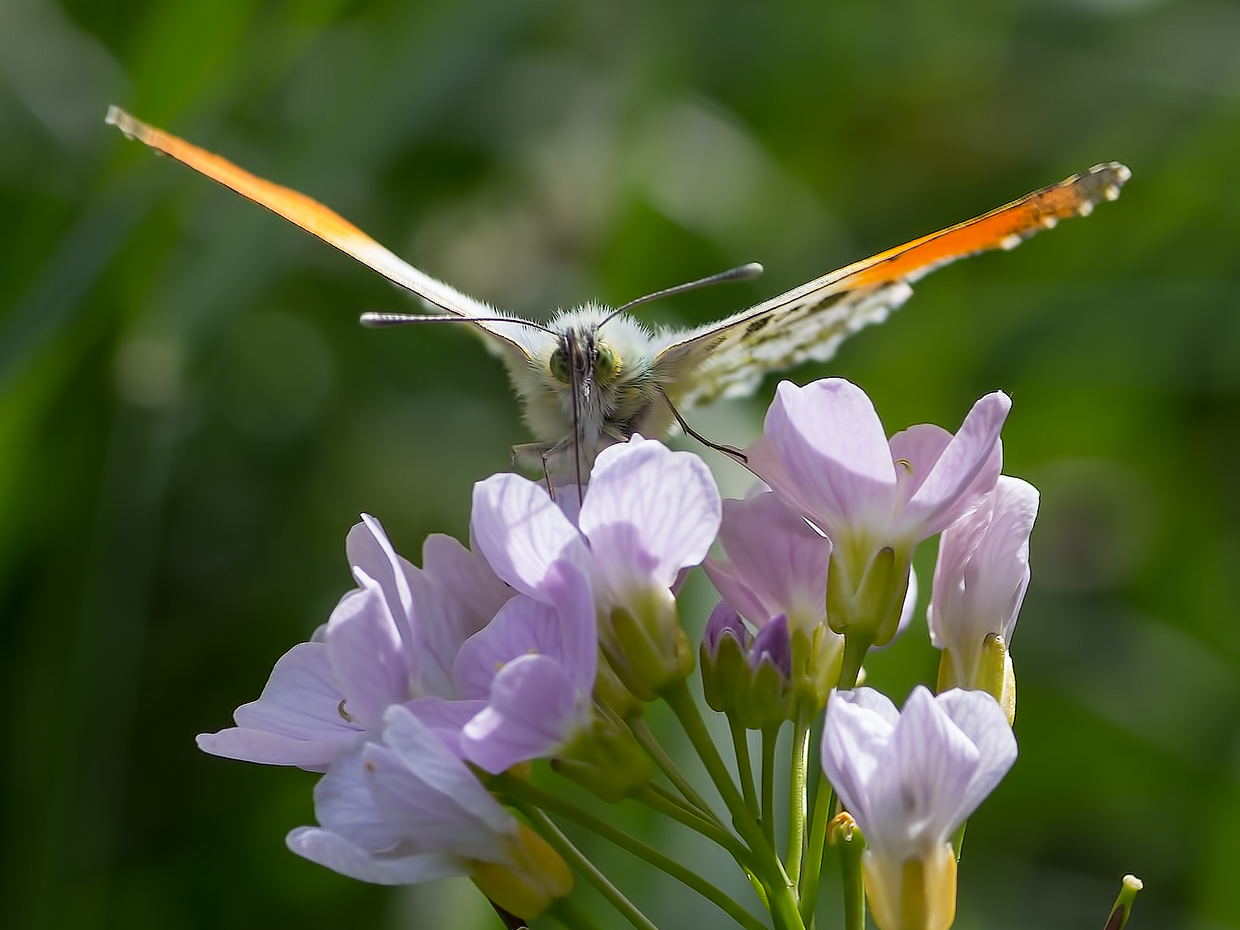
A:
(559, 365)
(605, 364)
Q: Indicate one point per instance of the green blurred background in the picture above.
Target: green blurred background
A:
(191, 418)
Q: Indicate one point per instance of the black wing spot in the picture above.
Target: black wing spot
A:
(756, 326)
(829, 301)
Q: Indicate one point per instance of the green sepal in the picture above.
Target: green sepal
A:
(606, 760)
(871, 609)
(610, 692)
(726, 677)
(649, 652)
(769, 701)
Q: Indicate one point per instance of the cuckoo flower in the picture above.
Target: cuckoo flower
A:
(325, 695)
(910, 779)
(979, 584)
(824, 451)
(776, 566)
(404, 809)
(647, 514)
(534, 665)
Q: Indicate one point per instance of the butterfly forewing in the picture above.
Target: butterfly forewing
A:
(332, 228)
(728, 358)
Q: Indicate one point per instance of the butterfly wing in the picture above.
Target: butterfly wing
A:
(518, 343)
(730, 357)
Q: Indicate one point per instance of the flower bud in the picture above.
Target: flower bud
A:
(528, 887)
(770, 698)
(725, 667)
(747, 677)
(607, 761)
(647, 650)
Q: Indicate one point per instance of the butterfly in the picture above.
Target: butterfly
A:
(594, 376)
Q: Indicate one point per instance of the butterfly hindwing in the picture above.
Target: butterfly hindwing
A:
(730, 358)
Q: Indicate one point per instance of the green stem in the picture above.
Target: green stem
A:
(1123, 904)
(570, 916)
(854, 888)
(797, 802)
(530, 801)
(667, 804)
(766, 864)
(770, 742)
(571, 854)
(855, 648)
(656, 752)
(824, 801)
(744, 766)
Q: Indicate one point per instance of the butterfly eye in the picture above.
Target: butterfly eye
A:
(605, 363)
(559, 365)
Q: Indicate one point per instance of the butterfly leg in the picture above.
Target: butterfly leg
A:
(730, 451)
(530, 459)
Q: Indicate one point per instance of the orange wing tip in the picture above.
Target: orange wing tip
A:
(1101, 182)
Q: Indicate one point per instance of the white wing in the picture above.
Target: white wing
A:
(730, 357)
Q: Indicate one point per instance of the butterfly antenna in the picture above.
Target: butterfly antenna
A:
(572, 385)
(376, 320)
(744, 272)
(730, 451)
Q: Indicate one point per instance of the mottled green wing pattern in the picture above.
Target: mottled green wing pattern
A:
(730, 358)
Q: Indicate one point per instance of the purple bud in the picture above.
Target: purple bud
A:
(773, 644)
(724, 621)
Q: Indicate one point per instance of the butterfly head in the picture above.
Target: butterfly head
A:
(582, 359)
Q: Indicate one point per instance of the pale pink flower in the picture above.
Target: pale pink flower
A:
(776, 563)
(374, 651)
(910, 779)
(404, 809)
(824, 451)
(647, 514)
(979, 584)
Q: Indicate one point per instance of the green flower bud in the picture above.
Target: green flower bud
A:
(607, 761)
(648, 650)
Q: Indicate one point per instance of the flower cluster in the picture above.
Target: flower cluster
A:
(430, 690)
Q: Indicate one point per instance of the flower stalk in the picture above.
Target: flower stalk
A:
(434, 695)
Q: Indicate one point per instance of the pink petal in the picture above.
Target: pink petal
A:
(951, 489)
(368, 549)
(296, 720)
(982, 720)
(369, 660)
(777, 557)
(338, 854)
(534, 710)
(648, 513)
(456, 593)
(836, 464)
(522, 532)
(426, 788)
